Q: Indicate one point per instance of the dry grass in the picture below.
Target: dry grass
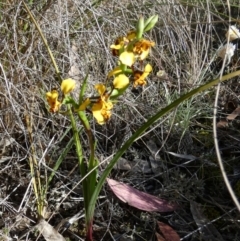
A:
(79, 34)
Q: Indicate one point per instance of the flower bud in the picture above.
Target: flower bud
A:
(140, 27)
(150, 23)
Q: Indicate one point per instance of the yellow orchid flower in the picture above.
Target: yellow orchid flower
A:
(52, 99)
(101, 89)
(127, 58)
(141, 48)
(102, 109)
(121, 81)
(139, 76)
(120, 42)
(67, 86)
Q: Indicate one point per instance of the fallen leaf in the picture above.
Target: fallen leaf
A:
(168, 232)
(138, 199)
(234, 114)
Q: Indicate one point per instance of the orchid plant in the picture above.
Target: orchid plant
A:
(131, 50)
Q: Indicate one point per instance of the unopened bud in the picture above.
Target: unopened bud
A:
(150, 23)
(140, 27)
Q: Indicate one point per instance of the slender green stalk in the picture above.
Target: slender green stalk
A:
(87, 187)
(92, 178)
(79, 154)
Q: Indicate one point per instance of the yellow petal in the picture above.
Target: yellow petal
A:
(68, 85)
(121, 81)
(100, 88)
(127, 58)
(115, 71)
(84, 105)
(144, 54)
(108, 105)
(141, 48)
(52, 99)
(101, 111)
(97, 113)
(148, 68)
(53, 95)
(131, 35)
(55, 107)
(116, 46)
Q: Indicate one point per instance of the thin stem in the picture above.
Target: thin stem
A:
(92, 178)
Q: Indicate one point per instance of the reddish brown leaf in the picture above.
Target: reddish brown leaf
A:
(138, 199)
(160, 237)
(234, 114)
(168, 233)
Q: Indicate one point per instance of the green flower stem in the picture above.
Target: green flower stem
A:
(83, 118)
(80, 157)
(123, 67)
(144, 127)
(128, 71)
(92, 178)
